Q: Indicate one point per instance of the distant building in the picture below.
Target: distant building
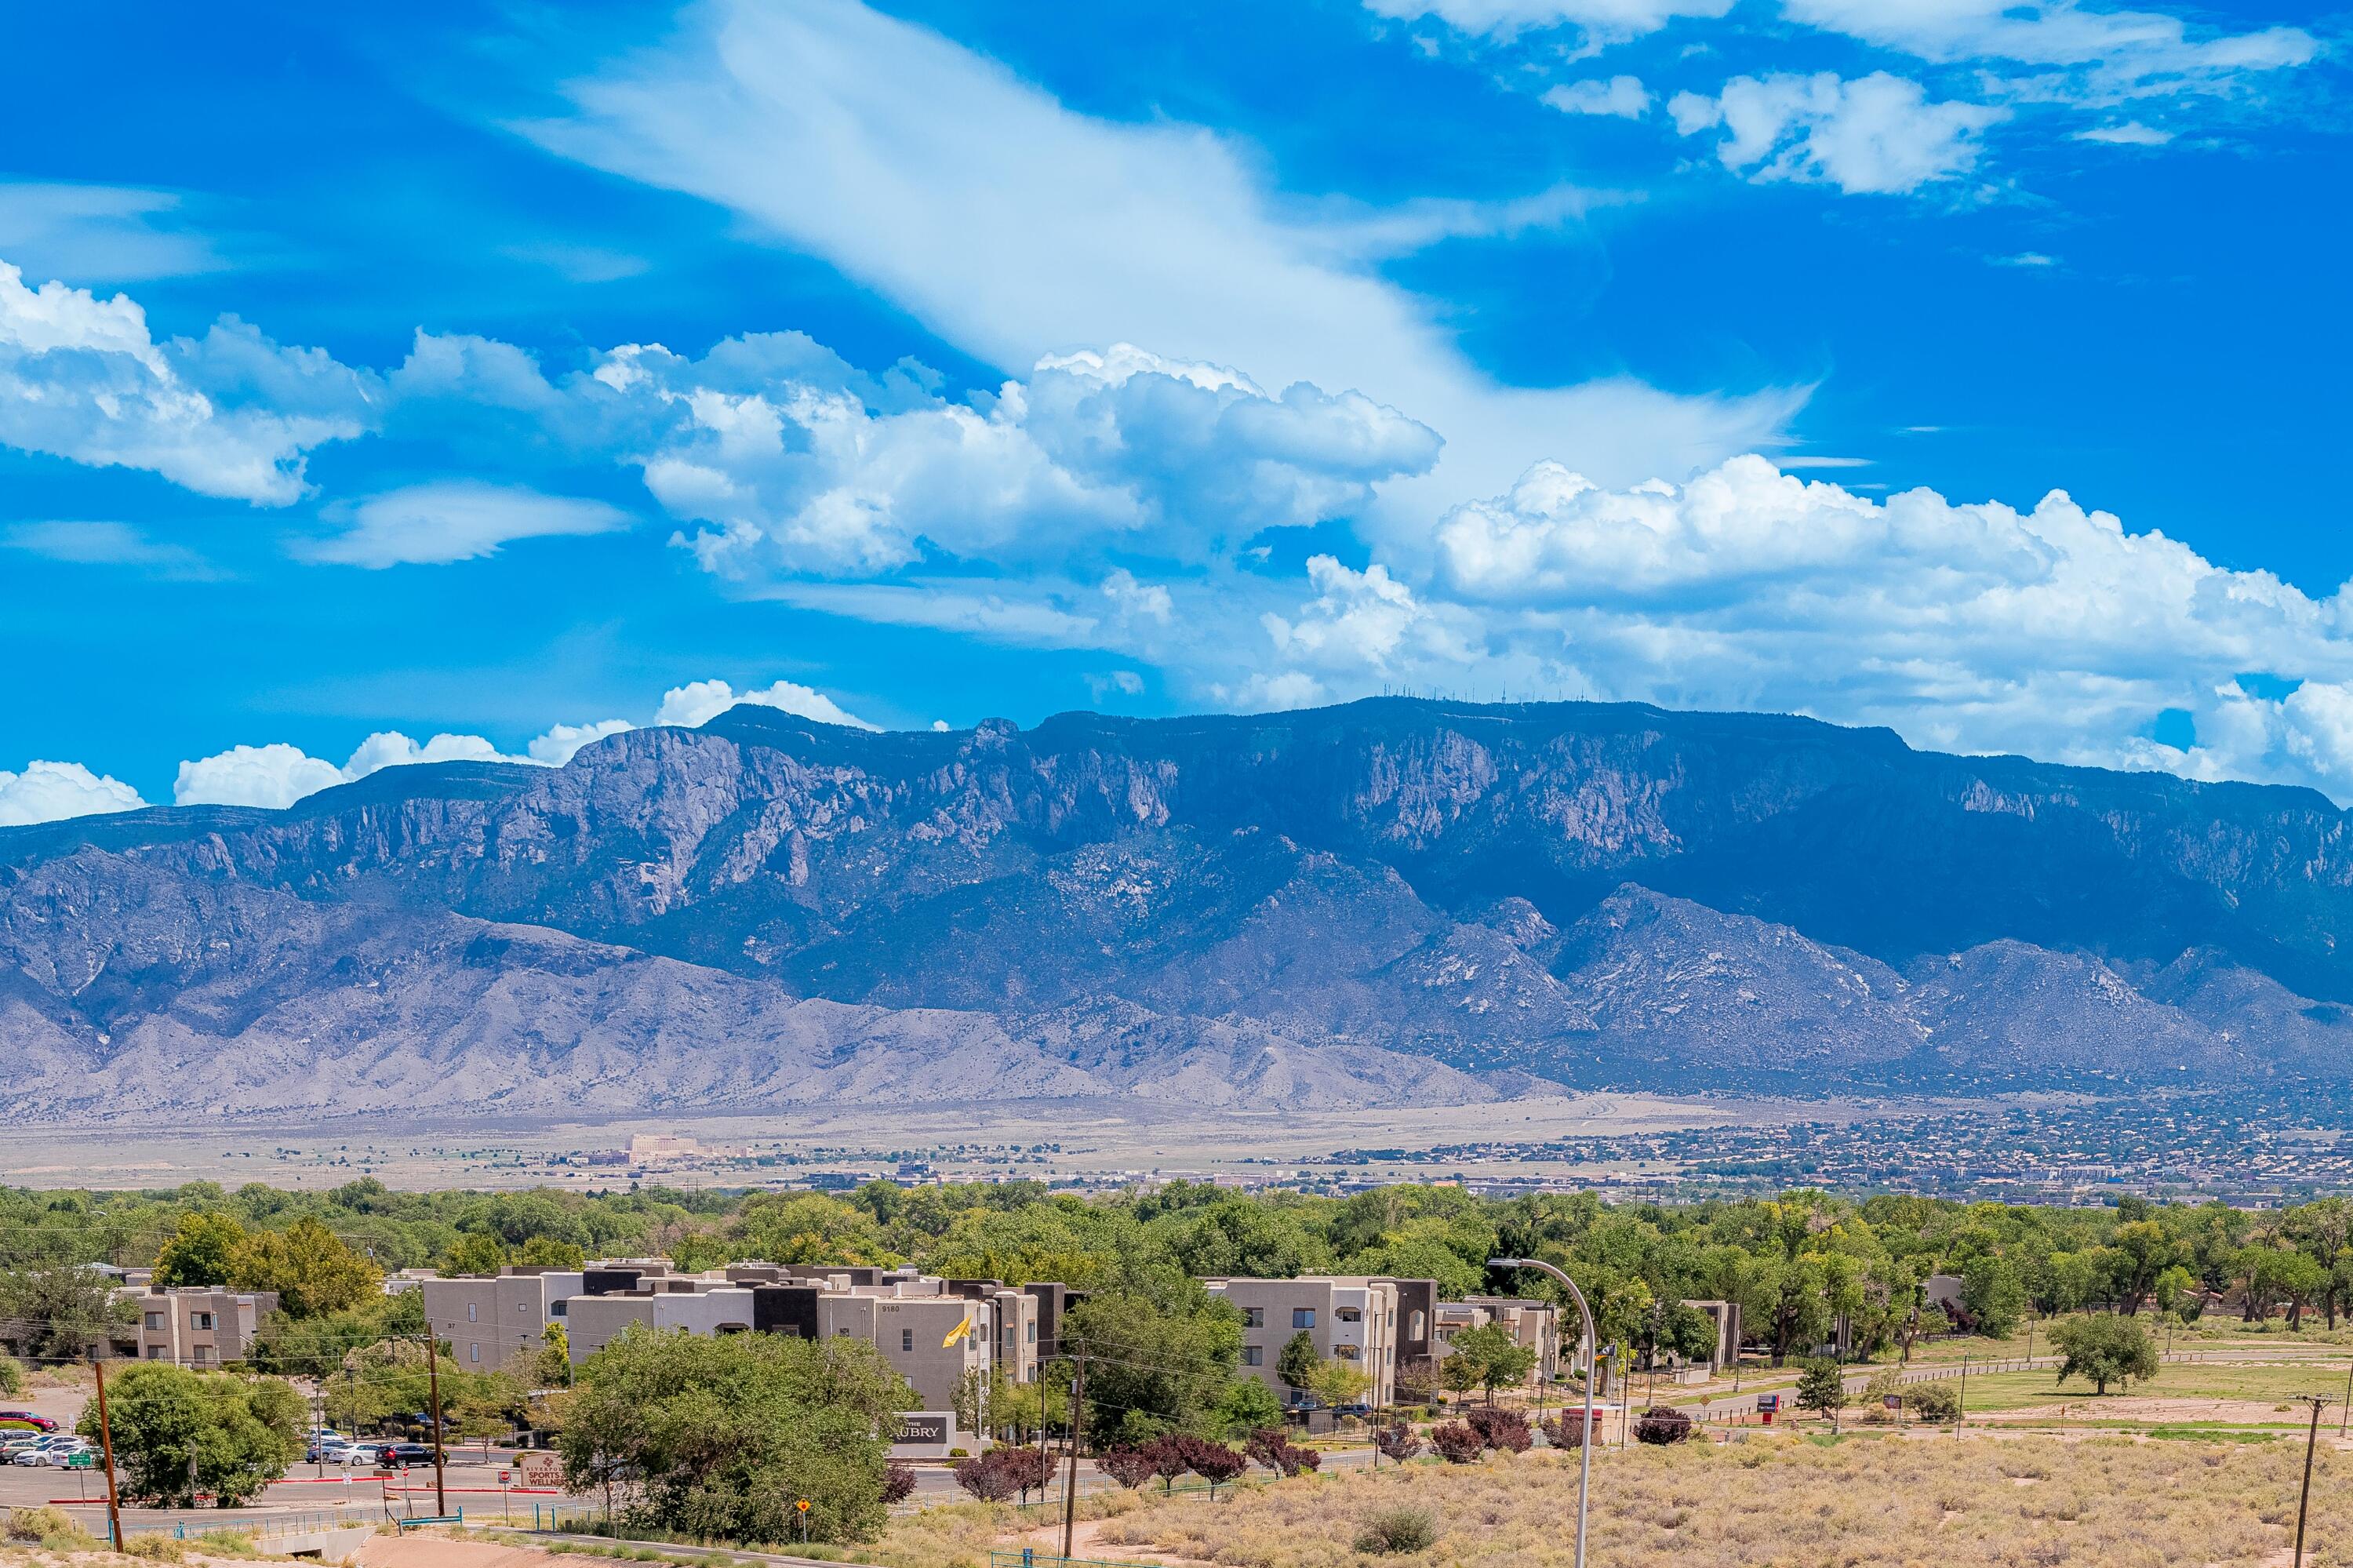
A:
(1348, 1319)
(194, 1324)
(1725, 1316)
(1535, 1324)
(499, 1323)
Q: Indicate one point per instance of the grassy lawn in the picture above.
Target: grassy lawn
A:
(2102, 1502)
(2174, 1380)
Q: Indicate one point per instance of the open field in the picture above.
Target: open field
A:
(2105, 1503)
(1089, 1140)
(2200, 1381)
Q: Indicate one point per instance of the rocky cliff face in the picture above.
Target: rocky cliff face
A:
(1384, 901)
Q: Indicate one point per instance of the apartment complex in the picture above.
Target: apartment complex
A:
(933, 1335)
(1535, 1324)
(500, 1323)
(194, 1324)
(1347, 1319)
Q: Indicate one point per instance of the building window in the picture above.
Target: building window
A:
(1346, 1353)
(154, 1352)
(906, 1338)
(1303, 1316)
(1349, 1315)
(1420, 1330)
(560, 1310)
(470, 1310)
(200, 1319)
(1033, 1333)
(155, 1321)
(473, 1352)
(200, 1354)
(1254, 1355)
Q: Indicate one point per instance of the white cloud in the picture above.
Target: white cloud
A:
(230, 414)
(699, 702)
(101, 542)
(1014, 227)
(2131, 133)
(51, 791)
(453, 520)
(2119, 50)
(1623, 96)
(118, 233)
(1969, 627)
(274, 776)
(805, 466)
(2028, 259)
(1605, 20)
(1877, 133)
(556, 747)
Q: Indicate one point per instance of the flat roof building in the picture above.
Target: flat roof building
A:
(1350, 1319)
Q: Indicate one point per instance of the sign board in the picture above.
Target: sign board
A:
(541, 1469)
(925, 1434)
(505, 1477)
(1768, 1402)
(1892, 1401)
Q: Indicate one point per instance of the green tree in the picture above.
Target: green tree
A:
(1822, 1386)
(2102, 1348)
(1246, 1405)
(809, 1227)
(1501, 1361)
(61, 1311)
(1994, 1297)
(548, 1252)
(475, 1253)
(202, 1251)
(1296, 1365)
(1163, 1353)
(311, 1270)
(720, 1435)
(178, 1432)
(1336, 1382)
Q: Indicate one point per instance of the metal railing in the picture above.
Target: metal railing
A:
(1028, 1558)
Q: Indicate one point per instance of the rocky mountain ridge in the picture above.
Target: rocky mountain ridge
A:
(1386, 902)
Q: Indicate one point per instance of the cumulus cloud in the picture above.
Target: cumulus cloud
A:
(1623, 96)
(453, 520)
(562, 741)
(51, 791)
(230, 414)
(699, 702)
(803, 465)
(1605, 20)
(1877, 133)
(277, 774)
(1963, 626)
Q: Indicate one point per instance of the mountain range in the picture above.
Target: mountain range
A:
(1390, 902)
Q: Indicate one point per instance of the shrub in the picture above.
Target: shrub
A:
(1938, 1402)
(1822, 1386)
(1213, 1462)
(1663, 1425)
(1273, 1448)
(1395, 1530)
(1168, 1459)
(1567, 1429)
(1131, 1467)
(993, 1477)
(1397, 1441)
(1457, 1442)
(155, 1546)
(1506, 1431)
(898, 1481)
(38, 1523)
(12, 1376)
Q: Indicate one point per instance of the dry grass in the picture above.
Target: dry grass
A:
(1790, 1503)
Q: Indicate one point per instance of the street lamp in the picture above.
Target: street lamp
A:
(1592, 1345)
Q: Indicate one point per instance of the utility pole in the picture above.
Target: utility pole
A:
(1961, 1415)
(106, 1447)
(2345, 1411)
(2310, 1441)
(433, 1379)
(1070, 1483)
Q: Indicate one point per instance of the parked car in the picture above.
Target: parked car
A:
(58, 1456)
(400, 1455)
(38, 1422)
(334, 1449)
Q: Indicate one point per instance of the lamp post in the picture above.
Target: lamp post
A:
(1592, 1343)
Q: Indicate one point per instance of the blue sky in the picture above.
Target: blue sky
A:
(376, 388)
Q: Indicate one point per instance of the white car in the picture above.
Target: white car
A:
(61, 1454)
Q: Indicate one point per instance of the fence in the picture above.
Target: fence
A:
(1027, 1558)
(301, 1523)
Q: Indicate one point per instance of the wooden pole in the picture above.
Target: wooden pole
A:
(1070, 1482)
(433, 1377)
(2310, 1441)
(106, 1447)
